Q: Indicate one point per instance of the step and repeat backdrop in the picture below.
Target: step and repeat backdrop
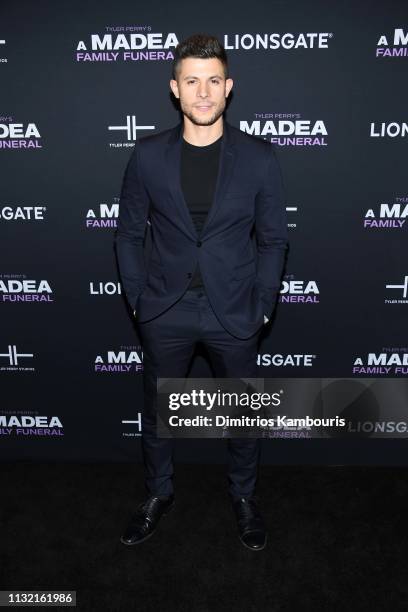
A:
(81, 83)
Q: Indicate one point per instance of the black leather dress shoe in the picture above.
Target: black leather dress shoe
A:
(144, 522)
(251, 527)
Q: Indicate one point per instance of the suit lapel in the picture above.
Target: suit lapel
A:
(172, 161)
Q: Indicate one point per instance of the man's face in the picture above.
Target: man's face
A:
(202, 89)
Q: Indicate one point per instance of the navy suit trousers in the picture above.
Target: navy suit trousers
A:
(168, 343)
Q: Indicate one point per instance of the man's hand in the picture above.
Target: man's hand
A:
(271, 232)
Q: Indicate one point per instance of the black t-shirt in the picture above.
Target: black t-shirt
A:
(199, 170)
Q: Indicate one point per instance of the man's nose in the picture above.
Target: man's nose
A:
(202, 91)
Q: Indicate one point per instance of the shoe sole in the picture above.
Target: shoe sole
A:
(151, 533)
(254, 549)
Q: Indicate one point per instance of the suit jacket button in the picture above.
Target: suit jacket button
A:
(198, 243)
(189, 275)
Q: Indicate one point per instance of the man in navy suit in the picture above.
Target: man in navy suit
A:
(215, 202)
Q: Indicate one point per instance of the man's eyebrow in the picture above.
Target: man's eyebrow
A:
(215, 76)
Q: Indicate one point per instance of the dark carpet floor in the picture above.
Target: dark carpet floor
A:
(337, 539)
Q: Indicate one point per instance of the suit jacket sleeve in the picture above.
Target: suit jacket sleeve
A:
(271, 233)
(129, 237)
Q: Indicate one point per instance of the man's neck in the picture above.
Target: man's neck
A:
(202, 135)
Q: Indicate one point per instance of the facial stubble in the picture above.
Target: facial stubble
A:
(197, 120)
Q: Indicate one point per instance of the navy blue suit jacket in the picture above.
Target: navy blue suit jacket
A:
(241, 273)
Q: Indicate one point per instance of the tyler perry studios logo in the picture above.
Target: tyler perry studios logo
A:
(277, 41)
(3, 60)
(128, 359)
(291, 209)
(11, 212)
(13, 359)
(19, 135)
(128, 43)
(295, 360)
(133, 426)
(27, 423)
(387, 216)
(299, 291)
(103, 216)
(398, 290)
(287, 129)
(20, 288)
(129, 130)
(390, 362)
(393, 45)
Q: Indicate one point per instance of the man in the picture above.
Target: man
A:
(204, 186)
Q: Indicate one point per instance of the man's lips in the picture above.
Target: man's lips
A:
(204, 107)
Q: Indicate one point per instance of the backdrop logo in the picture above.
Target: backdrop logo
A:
(18, 288)
(400, 290)
(3, 60)
(286, 129)
(390, 362)
(19, 135)
(292, 209)
(274, 41)
(22, 424)
(130, 131)
(12, 360)
(104, 216)
(299, 291)
(105, 288)
(127, 43)
(393, 129)
(288, 431)
(128, 359)
(376, 427)
(387, 216)
(22, 213)
(136, 426)
(395, 45)
(283, 361)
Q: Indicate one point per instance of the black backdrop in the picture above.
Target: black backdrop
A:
(69, 349)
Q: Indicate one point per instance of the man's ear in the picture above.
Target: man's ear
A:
(174, 87)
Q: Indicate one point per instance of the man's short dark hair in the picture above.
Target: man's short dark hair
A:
(202, 46)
